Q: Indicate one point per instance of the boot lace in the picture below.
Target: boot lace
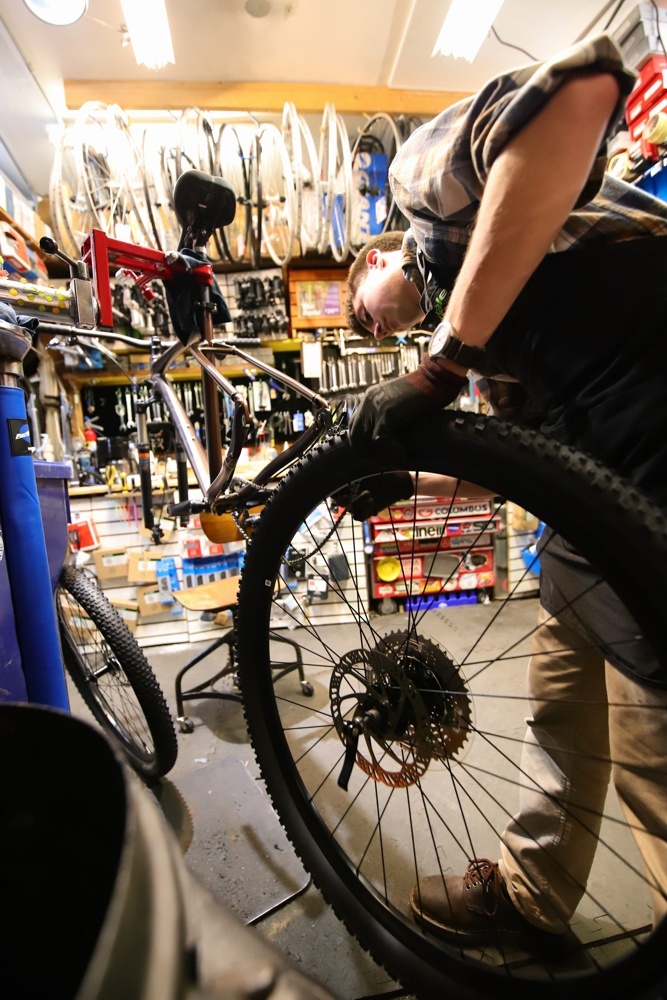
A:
(481, 871)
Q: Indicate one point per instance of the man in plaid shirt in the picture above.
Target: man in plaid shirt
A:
(545, 276)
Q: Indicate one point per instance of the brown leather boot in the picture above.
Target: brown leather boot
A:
(472, 908)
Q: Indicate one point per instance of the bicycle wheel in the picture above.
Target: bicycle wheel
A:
(373, 210)
(195, 142)
(110, 171)
(311, 204)
(275, 195)
(336, 179)
(157, 198)
(71, 216)
(420, 714)
(113, 676)
(230, 163)
(291, 136)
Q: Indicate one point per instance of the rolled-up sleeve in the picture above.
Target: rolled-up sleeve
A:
(442, 169)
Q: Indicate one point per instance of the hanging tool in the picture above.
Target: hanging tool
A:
(120, 410)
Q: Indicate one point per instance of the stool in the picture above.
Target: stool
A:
(220, 597)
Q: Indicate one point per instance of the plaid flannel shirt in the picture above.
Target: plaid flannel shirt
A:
(439, 174)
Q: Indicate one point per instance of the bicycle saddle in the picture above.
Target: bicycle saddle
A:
(203, 204)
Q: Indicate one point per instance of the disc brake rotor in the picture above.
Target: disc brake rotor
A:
(377, 709)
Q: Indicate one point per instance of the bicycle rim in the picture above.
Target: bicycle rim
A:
(311, 203)
(195, 144)
(438, 771)
(72, 219)
(327, 161)
(291, 136)
(340, 232)
(110, 171)
(372, 201)
(230, 163)
(336, 174)
(161, 215)
(275, 195)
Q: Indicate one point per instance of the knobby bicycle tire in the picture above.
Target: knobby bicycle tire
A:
(113, 676)
(436, 771)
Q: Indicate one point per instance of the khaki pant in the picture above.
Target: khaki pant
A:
(590, 722)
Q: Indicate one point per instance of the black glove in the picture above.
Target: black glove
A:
(369, 496)
(386, 409)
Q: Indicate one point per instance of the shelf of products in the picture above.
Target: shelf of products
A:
(432, 549)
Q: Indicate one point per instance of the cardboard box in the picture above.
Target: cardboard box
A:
(111, 564)
(142, 565)
(128, 611)
(150, 603)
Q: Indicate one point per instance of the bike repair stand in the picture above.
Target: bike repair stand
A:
(25, 550)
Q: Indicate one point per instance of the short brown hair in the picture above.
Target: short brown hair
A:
(385, 243)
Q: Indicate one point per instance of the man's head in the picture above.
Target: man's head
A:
(379, 300)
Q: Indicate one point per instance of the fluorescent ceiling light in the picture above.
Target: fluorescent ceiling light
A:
(148, 28)
(58, 12)
(467, 24)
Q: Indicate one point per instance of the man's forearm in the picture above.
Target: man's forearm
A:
(530, 192)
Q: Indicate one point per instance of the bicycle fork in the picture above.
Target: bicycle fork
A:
(25, 546)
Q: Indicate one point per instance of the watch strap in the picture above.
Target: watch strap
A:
(462, 354)
(455, 350)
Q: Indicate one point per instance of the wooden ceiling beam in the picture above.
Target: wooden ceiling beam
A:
(308, 98)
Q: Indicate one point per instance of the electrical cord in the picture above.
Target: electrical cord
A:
(615, 12)
(595, 20)
(510, 45)
(657, 25)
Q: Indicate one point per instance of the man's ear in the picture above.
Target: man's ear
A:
(374, 258)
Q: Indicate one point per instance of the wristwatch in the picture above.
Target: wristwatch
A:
(445, 344)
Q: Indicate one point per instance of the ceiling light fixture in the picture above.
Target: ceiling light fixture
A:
(148, 27)
(467, 24)
(58, 12)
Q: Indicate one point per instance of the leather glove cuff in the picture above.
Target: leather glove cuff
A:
(434, 379)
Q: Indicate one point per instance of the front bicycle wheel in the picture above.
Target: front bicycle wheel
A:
(407, 759)
(113, 676)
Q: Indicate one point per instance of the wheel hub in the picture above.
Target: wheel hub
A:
(397, 707)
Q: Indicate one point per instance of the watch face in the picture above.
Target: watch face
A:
(440, 337)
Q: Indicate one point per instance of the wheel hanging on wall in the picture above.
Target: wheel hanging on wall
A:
(195, 142)
(157, 198)
(195, 149)
(71, 217)
(111, 172)
(275, 194)
(231, 162)
(291, 134)
(336, 179)
(373, 210)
